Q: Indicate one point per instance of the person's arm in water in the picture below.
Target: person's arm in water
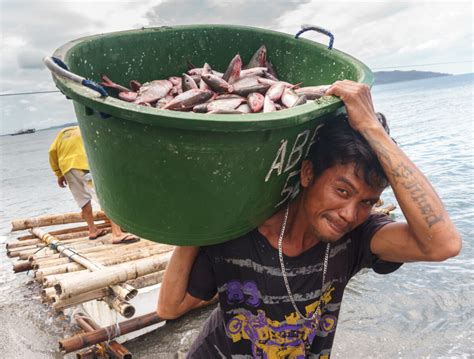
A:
(429, 234)
(174, 300)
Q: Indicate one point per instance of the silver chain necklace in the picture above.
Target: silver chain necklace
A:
(283, 270)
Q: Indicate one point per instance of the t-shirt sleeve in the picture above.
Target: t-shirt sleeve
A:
(202, 283)
(363, 237)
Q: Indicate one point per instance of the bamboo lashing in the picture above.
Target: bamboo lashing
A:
(113, 348)
(125, 293)
(80, 341)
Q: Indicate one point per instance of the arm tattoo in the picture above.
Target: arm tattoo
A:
(404, 175)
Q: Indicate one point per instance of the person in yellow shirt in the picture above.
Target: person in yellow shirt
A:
(68, 161)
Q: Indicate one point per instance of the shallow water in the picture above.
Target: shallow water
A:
(422, 310)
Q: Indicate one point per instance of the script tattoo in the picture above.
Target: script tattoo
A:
(405, 176)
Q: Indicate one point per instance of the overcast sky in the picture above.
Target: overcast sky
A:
(379, 33)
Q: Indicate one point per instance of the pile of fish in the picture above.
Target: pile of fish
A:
(250, 89)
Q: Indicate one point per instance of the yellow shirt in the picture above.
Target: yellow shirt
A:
(67, 152)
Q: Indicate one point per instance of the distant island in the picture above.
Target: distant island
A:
(385, 77)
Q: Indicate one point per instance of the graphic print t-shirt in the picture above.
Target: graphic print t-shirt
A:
(255, 318)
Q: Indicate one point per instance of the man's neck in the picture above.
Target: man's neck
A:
(298, 236)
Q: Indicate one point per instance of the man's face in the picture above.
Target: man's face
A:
(337, 201)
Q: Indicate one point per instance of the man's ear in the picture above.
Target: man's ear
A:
(306, 173)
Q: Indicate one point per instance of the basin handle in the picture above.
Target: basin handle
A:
(58, 67)
(305, 28)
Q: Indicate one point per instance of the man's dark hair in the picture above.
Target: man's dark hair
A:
(336, 142)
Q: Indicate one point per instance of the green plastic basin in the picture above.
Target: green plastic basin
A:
(187, 178)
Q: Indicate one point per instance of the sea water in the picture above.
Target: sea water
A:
(422, 310)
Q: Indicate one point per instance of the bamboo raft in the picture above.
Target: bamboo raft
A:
(116, 285)
(110, 290)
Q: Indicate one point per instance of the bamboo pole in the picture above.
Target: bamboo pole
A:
(125, 293)
(58, 258)
(78, 243)
(106, 261)
(140, 282)
(124, 308)
(61, 304)
(108, 248)
(22, 266)
(48, 251)
(113, 348)
(25, 243)
(74, 235)
(100, 225)
(386, 210)
(54, 219)
(83, 340)
(89, 353)
(147, 280)
(111, 275)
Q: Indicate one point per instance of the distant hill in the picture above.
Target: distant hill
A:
(385, 77)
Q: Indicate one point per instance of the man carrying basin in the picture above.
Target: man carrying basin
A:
(68, 161)
(280, 286)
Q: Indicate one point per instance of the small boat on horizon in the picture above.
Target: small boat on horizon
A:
(22, 132)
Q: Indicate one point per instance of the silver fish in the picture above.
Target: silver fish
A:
(254, 71)
(225, 112)
(205, 70)
(244, 108)
(313, 92)
(128, 96)
(187, 100)
(271, 70)
(270, 82)
(229, 95)
(195, 71)
(301, 101)
(188, 83)
(268, 105)
(269, 75)
(245, 91)
(201, 108)
(163, 101)
(216, 83)
(175, 80)
(248, 85)
(225, 104)
(232, 73)
(135, 85)
(153, 91)
(289, 97)
(275, 91)
(106, 82)
(259, 58)
(255, 101)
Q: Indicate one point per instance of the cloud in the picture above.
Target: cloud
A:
(379, 31)
(251, 12)
(30, 59)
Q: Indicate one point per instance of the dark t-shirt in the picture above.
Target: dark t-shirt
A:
(255, 318)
